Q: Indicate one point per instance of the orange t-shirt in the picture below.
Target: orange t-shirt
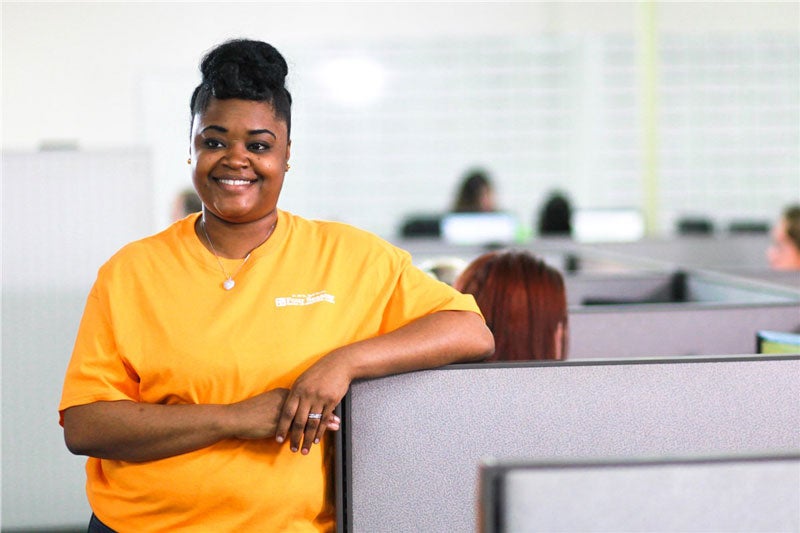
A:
(159, 328)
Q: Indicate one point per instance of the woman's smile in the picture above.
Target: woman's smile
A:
(235, 184)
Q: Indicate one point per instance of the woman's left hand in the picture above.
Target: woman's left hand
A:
(308, 410)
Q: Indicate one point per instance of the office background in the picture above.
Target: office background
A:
(674, 108)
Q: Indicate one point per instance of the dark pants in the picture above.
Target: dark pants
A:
(96, 526)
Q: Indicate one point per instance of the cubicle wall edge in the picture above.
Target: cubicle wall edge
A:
(341, 460)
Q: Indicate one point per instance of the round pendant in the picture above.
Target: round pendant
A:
(228, 284)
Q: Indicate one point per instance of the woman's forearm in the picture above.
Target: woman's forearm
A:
(131, 431)
(431, 341)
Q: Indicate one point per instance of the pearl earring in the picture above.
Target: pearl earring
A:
(288, 166)
(189, 161)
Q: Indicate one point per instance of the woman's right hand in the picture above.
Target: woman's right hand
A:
(257, 417)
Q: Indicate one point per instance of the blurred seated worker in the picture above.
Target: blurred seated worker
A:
(524, 302)
(421, 225)
(695, 225)
(784, 251)
(186, 203)
(475, 194)
(555, 217)
(748, 226)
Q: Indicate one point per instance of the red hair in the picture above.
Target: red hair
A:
(523, 300)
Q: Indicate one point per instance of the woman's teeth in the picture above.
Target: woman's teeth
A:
(234, 182)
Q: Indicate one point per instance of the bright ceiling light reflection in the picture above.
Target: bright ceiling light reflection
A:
(353, 81)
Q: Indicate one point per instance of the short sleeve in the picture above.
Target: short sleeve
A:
(417, 294)
(96, 371)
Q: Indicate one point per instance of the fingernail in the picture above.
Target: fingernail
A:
(294, 448)
(336, 419)
(279, 439)
(305, 451)
(316, 441)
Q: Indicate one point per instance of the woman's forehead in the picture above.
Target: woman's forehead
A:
(248, 114)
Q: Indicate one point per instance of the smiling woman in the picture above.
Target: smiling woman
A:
(211, 353)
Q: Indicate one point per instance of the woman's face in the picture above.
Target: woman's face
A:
(782, 253)
(239, 154)
(486, 201)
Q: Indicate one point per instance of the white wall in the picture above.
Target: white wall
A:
(52, 249)
(119, 75)
(73, 71)
(68, 69)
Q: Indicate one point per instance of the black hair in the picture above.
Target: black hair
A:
(555, 217)
(474, 183)
(247, 70)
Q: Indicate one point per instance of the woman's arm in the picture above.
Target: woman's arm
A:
(434, 340)
(131, 431)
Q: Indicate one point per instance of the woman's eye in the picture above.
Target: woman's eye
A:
(259, 147)
(212, 143)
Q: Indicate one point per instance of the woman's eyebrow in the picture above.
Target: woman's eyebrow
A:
(214, 127)
(225, 130)
(258, 132)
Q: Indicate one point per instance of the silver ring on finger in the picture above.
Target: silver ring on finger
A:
(314, 416)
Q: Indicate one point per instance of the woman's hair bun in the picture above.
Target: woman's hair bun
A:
(244, 69)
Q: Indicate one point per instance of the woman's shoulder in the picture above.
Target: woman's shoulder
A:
(340, 234)
(146, 249)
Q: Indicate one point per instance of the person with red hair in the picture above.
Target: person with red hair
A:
(524, 302)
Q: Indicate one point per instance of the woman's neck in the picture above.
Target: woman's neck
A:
(234, 240)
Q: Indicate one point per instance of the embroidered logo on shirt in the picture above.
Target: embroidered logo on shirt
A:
(304, 299)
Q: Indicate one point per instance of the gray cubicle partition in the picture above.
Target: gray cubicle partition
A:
(674, 329)
(785, 279)
(411, 444)
(724, 251)
(673, 286)
(562, 254)
(591, 289)
(731, 493)
(711, 313)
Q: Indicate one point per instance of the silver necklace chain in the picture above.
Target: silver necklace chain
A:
(229, 283)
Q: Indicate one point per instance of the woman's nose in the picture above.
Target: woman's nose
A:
(237, 156)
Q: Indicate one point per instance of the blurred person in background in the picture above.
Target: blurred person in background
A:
(186, 203)
(476, 193)
(555, 216)
(784, 250)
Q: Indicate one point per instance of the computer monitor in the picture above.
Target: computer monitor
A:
(607, 225)
(479, 228)
(771, 342)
